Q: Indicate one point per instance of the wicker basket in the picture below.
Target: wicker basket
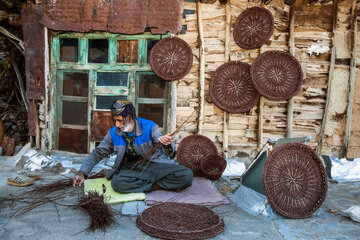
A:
(231, 88)
(253, 28)
(213, 166)
(180, 221)
(295, 180)
(276, 75)
(171, 58)
(192, 149)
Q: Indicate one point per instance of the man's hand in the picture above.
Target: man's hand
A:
(166, 139)
(78, 179)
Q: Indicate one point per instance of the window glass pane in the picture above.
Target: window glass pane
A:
(74, 113)
(69, 48)
(150, 45)
(127, 51)
(151, 86)
(98, 50)
(104, 102)
(154, 112)
(112, 79)
(75, 84)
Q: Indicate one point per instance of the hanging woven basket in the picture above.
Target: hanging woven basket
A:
(253, 28)
(295, 180)
(213, 166)
(231, 88)
(180, 221)
(192, 150)
(276, 75)
(171, 58)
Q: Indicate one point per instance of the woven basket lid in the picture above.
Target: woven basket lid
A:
(295, 180)
(192, 149)
(231, 88)
(171, 58)
(253, 28)
(180, 221)
(277, 75)
(213, 166)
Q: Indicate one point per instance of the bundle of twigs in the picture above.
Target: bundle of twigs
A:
(101, 214)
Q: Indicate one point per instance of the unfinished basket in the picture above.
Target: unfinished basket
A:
(171, 58)
(180, 221)
(295, 180)
(213, 166)
(192, 149)
(276, 75)
(231, 88)
(253, 28)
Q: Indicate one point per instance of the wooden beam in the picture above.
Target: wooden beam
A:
(260, 113)
(331, 73)
(290, 105)
(352, 79)
(201, 67)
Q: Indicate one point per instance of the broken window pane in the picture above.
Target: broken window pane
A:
(151, 86)
(69, 48)
(98, 50)
(127, 51)
(150, 45)
(74, 113)
(112, 79)
(154, 112)
(104, 102)
(75, 84)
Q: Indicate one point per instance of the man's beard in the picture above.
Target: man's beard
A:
(128, 125)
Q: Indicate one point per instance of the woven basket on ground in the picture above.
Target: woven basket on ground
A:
(295, 180)
(276, 75)
(213, 166)
(231, 88)
(253, 28)
(171, 58)
(180, 221)
(192, 149)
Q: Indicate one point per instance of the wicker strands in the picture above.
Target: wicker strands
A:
(231, 88)
(276, 75)
(295, 180)
(213, 166)
(192, 150)
(171, 58)
(253, 28)
(180, 221)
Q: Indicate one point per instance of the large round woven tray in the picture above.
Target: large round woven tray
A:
(192, 149)
(295, 180)
(213, 166)
(276, 75)
(171, 58)
(180, 221)
(231, 88)
(253, 28)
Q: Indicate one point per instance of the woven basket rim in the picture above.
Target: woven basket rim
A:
(265, 37)
(238, 108)
(321, 179)
(185, 67)
(262, 88)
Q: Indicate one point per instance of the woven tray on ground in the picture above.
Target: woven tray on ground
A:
(213, 166)
(192, 149)
(253, 28)
(276, 75)
(295, 180)
(231, 88)
(180, 221)
(171, 58)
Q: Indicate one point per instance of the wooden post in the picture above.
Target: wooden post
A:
(352, 79)
(260, 113)
(290, 106)
(227, 58)
(201, 67)
(331, 73)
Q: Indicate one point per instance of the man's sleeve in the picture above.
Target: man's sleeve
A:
(169, 149)
(104, 149)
